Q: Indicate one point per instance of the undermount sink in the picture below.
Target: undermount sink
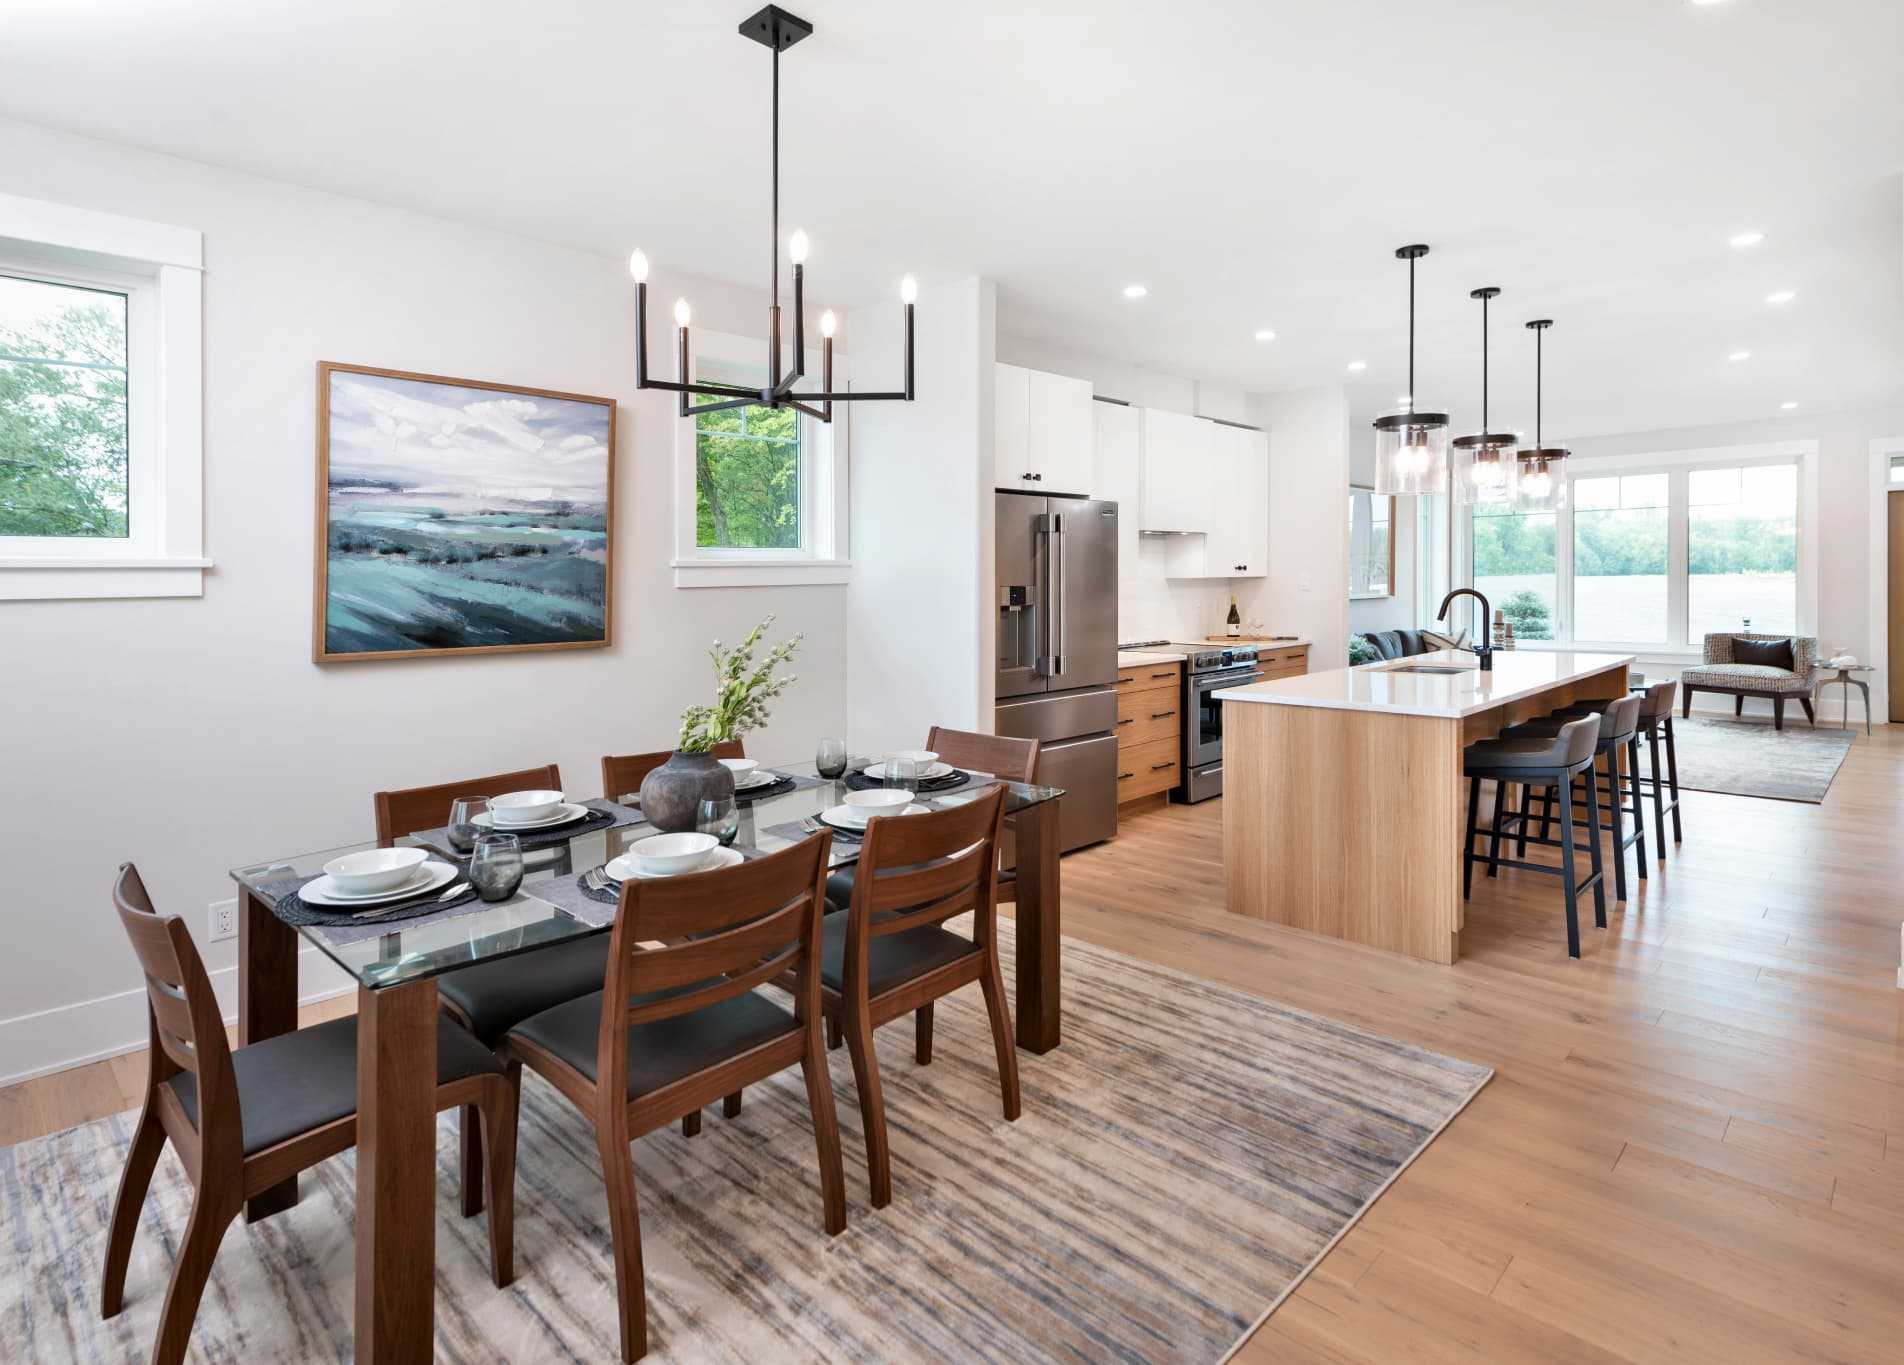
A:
(1444, 669)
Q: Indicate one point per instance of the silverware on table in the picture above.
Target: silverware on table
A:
(454, 890)
(597, 879)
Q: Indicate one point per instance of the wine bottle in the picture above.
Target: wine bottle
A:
(1235, 623)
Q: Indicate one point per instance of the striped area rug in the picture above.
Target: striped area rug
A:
(1183, 1159)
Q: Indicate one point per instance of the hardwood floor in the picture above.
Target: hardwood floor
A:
(1693, 1148)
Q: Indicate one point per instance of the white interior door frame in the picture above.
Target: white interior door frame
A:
(1881, 452)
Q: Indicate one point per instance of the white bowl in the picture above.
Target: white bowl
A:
(740, 767)
(665, 853)
(374, 869)
(878, 800)
(923, 757)
(523, 808)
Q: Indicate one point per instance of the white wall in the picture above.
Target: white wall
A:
(195, 735)
(1308, 520)
(919, 629)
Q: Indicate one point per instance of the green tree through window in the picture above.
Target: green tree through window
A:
(62, 410)
(747, 477)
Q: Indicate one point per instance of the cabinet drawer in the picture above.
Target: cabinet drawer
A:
(1138, 677)
(1159, 718)
(1145, 769)
(1139, 702)
(1282, 662)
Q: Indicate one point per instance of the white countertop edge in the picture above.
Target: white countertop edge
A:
(1311, 689)
(1135, 658)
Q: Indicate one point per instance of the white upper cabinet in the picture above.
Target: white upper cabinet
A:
(1176, 492)
(1043, 438)
(1237, 545)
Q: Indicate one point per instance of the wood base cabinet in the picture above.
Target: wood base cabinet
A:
(1149, 729)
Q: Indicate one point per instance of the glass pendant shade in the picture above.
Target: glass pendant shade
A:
(1484, 469)
(1411, 453)
(1541, 485)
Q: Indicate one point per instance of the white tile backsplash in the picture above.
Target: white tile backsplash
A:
(1151, 606)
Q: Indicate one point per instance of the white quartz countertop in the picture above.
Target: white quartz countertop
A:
(1178, 650)
(1381, 687)
(1156, 654)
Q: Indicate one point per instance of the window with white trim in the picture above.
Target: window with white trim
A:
(1649, 556)
(101, 490)
(760, 493)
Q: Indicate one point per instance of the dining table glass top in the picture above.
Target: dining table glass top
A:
(429, 945)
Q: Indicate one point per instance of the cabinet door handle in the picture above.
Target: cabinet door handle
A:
(1122, 776)
(1171, 673)
(1131, 721)
(1039, 477)
(1159, 715)
(1159, 767)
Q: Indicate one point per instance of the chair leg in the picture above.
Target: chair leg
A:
(1565, 786)
(835, 1035)
(469, 1149)
(691, 1124)
(730, 1106)
(1812, 715)
(1685, 700)
(872, 1107)
(212, 1212)
(1527, 813)
(148, 1140)
(922, 1034)
(992, 982)
(1547, 813)
(624, 1221)
(499, 1114)
(1594, 854)
(1637, 812)
(1738, 704)
(1778, 713)
(826, 1131)
(1613, 811)
(1659, 795)
(1672, 777)
(1494, 835)
(1467, 837)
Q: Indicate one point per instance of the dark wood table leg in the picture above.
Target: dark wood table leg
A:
(267, 1007)
(396, 1172)
(1038, 907)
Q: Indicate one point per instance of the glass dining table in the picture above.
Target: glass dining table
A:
(395, 966)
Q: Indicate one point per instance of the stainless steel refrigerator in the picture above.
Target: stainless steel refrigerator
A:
(1057, 650)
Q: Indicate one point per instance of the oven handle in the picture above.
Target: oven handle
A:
(1210, 682)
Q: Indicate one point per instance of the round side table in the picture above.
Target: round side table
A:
(1844, 677)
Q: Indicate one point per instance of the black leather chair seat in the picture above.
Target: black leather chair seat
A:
(662, 1052)
(307, 1078)
(893, 959)
(496, 996)
(1489, 755)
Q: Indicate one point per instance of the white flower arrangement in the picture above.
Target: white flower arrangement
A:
(745, 688)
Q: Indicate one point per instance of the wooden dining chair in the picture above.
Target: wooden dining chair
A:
(886, 955)
(414, 808)
(622, 774)
(1015, 760)
(679, 1024)
(245, 1121)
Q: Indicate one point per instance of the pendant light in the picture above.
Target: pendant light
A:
(776, 30)
(1542, 480)
(1483, 464)
(1411, 446)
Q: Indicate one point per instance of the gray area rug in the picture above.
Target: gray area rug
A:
(1183, 1160)
(1750, 758)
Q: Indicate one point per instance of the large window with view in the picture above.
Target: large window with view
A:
(1742, 549)
(63, 410)
(747, 473)
(1516, 566)
(1620, 558)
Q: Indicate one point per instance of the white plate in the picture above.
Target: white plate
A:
(622, 868)
(432, 876)
(877, 771)
(563, 815)
(759, 777)
(854, 817)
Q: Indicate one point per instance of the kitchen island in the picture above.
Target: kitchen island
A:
(1343, 795)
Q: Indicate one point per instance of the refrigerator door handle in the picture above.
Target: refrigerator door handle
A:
(1058, 587)
(1043, 618)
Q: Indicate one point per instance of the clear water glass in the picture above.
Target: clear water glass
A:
(719, 816)
(495, 866)
(463, 828)
(903, 774)
(829, 759)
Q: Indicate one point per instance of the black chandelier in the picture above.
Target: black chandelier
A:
(777, 30)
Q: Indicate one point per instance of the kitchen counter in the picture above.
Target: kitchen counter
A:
(1157, 654)
(1389, 686)
(1344, 800)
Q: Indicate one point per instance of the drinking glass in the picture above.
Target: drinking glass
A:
(903, 774)
(829, 760)
(495, 866)
(719, 816)
(463, 827)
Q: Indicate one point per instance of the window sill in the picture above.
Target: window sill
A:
(50, 578)
(761, 573)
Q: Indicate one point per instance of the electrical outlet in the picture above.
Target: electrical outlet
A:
(223, 919)
(1303, 582)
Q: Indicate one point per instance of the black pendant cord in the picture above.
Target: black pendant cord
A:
(773, 244)
(1540, 336)
(1411, 333)
(1484, 424)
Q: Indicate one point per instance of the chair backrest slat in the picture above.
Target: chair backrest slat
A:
(622, 774)
(1015, 760)
(916, 870)
(414, 808)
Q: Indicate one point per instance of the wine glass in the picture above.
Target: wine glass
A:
(495, 866)
(463, 828)
(829, 760)
(719, 816)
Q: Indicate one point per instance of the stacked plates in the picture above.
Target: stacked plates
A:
(622, 868)
(564, 814)
(853, 818)
(432, 876)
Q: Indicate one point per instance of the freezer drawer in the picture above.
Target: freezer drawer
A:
(1059, 715)
(1087, 770)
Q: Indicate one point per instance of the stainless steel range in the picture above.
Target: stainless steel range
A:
(1206, 672)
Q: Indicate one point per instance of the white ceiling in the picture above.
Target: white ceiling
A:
(1253, 163)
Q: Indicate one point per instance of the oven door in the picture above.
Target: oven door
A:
(1203, 734)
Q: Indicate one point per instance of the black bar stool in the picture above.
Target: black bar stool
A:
(1551, 762)
(1619, 729)
(1656, 724)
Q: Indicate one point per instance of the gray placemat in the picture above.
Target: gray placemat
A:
(859, 781)
(341, 930)
(618, 817)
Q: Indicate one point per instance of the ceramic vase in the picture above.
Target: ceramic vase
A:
(671, 795)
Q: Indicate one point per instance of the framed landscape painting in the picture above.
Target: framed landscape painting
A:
(459, 517)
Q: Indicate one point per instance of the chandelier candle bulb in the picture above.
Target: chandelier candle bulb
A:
(638, 265)
(827, 324)
(797, 247)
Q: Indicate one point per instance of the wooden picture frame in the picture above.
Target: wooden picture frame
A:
(539, 583)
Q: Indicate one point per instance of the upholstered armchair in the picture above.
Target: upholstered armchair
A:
(1726, 670)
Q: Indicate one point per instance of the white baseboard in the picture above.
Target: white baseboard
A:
(85, 1031)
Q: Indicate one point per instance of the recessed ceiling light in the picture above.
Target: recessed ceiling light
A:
(1746, 238)
(1787, 407)
(1739, 355)
(1781, 296)
(1357, 366)
(1264, 334)
(1135, 291)
(1708, 2)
